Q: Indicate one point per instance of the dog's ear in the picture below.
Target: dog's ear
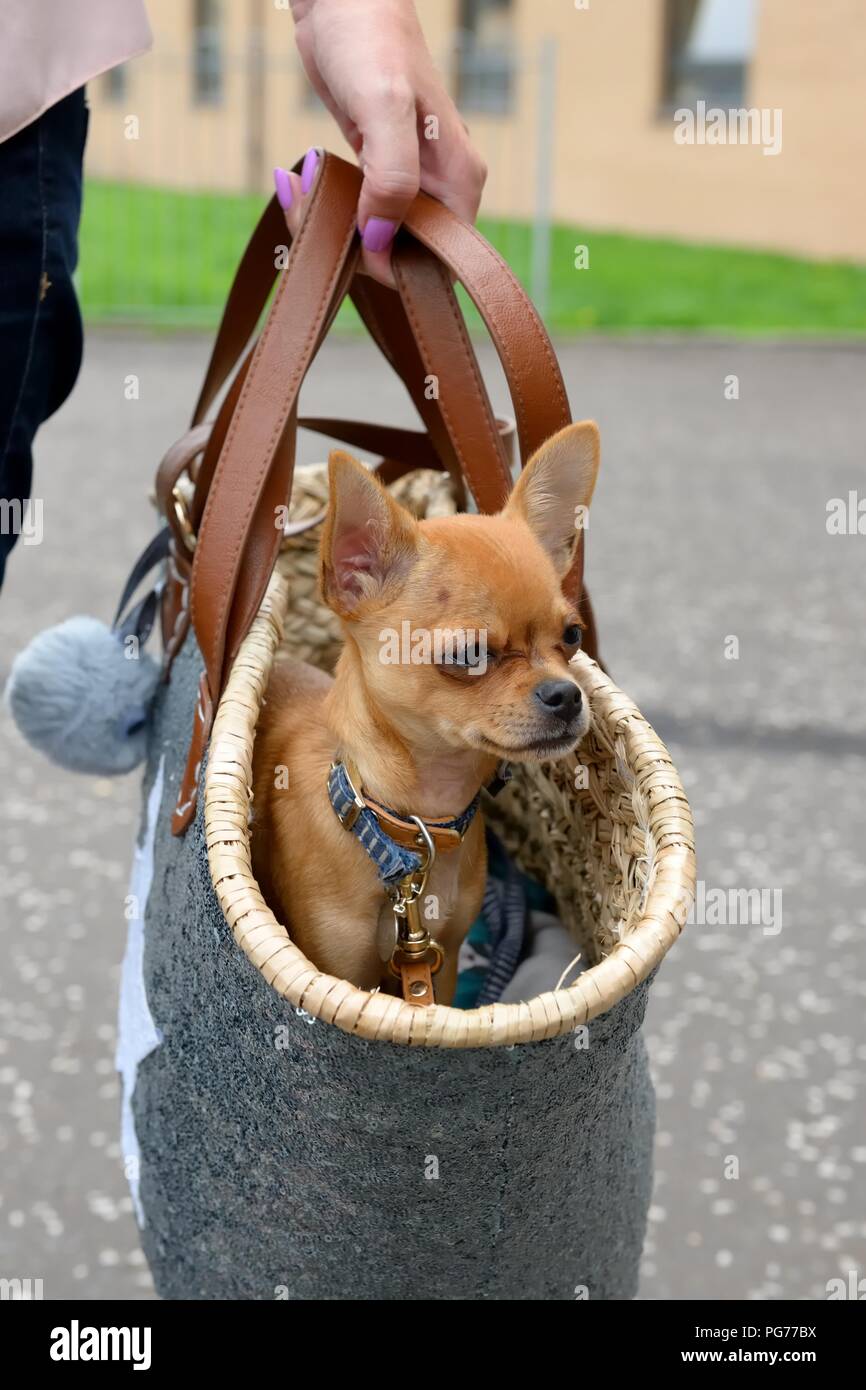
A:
(554, 491)
(369, 543)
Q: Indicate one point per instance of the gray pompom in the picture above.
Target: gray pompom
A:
(78, 697)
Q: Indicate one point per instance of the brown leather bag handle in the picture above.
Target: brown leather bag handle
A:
(525, 351)
(387, 320)
(524, 348)
(527, 356)
(254, 279)
(420, 337)
(380, 310)
(321, 257)
(539, 396)
(468, 440)
(237, 539)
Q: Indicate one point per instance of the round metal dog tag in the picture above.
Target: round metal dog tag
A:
(386, 934)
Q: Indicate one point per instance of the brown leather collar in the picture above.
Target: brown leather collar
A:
(403, 830)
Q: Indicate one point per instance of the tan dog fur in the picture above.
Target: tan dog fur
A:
(424, 737)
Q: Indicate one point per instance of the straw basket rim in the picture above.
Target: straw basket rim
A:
(268, 946)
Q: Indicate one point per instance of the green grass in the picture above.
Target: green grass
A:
(166, 258)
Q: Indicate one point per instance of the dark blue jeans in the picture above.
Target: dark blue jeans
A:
(40, 322)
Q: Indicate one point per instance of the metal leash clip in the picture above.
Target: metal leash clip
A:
(410, 959)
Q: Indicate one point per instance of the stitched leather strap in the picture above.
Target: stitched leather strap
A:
(379, 308)
(254, 279)
(235, 534)
(247, 459)
(416, 978)
(449, 361)
(387, 321)
(528, 359)
(238, 538)
(244, 483)
(525, 351)
(401, 449)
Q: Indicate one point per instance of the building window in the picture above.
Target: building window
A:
(207, 72)
(114, 83)
(709, 46)
(485, 56)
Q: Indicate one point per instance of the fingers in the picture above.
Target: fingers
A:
(390, 163)
(452, 169)
(394, 163)
(290, 196)
(460, 184)
(377, 231)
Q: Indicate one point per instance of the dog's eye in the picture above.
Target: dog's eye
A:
(468, 661)
(572, 635)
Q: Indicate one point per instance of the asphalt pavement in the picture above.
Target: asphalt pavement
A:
(734, 618)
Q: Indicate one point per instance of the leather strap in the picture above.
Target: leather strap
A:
(448, 358)
(525, 351)
(154, 552)
(178, 460)
(416, 978)
(239, 555)
(231, 551)
(524, 348)
(405, 833)
(386, 320)
(248, 456)
(389, 323)
(253, 282)
(528, 359)
(175, 616)
(238, 540)
(401, 450)
(409, 447)
(380, 309)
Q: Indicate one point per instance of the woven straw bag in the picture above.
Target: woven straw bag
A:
(289, 1123)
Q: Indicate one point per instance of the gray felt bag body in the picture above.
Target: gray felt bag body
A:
(298, 1137)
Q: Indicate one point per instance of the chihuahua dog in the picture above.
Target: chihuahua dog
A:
(417, 719)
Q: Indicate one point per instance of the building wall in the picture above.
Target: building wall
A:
(616, 161)
(613, 162)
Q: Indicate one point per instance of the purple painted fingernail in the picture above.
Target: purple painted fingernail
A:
(308, 172)
(283, 185)
(378, 234)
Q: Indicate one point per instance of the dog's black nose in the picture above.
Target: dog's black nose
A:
(560, 698)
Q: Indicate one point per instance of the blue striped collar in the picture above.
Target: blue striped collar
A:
(392, 861)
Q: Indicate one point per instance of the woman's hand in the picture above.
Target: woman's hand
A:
(368, 62)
